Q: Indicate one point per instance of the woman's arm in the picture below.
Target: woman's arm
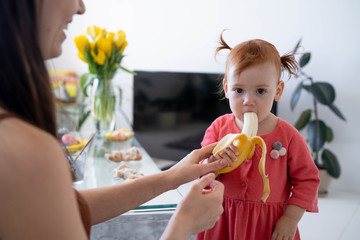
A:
(108, 202)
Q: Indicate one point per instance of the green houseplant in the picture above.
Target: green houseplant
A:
(318, 132)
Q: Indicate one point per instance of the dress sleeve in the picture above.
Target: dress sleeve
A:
(304, 175)
(210, 135)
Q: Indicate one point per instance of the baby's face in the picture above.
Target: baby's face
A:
(253, 90)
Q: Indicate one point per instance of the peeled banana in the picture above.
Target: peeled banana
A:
(245, 143)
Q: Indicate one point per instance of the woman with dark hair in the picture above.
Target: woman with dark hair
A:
(37, 200)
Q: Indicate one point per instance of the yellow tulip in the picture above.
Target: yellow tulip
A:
(100, 57)
(81, 43)
(123, 46)
(110, 36)
(96, 48)
(81, 56)
(93, 31)
(102, 32)
(105, 45)
(119, 38)
(92, 46)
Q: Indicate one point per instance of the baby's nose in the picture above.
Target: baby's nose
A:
(249, 100)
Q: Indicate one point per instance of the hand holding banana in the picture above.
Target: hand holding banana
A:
(245, 144)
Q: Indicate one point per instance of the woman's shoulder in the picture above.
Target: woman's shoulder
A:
(19, 132)
(23, 144)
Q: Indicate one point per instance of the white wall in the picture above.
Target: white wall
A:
(182, 35)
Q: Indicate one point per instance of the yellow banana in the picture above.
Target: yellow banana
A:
(245, 143)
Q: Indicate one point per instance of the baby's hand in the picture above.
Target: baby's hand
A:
(285, 228)
(229, 154)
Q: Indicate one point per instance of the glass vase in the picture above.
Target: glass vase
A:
(103, 105)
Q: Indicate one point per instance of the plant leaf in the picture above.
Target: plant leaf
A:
(86, 80)
(306, 87)
(303, 119)
(317, 131)
(331, 163)
(126, 70)
(337, 111)
(296, 96)
(324, 92)
(82, 119)
(305, 58)
(329, 134)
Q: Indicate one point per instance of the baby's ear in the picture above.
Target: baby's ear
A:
(225, 87)
(279, 91)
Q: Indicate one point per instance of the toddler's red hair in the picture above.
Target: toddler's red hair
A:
(257, 51)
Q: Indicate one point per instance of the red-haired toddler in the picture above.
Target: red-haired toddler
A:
(251, 84)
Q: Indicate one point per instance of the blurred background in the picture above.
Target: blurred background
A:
(182, 36)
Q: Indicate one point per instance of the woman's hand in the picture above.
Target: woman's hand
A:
(198, 211)
(189, 169)
(229, 154)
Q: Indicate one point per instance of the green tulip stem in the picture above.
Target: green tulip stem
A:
(103, 104)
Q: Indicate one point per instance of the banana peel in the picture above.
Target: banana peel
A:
(245, 143)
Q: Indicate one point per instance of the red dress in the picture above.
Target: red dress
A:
(294, 179)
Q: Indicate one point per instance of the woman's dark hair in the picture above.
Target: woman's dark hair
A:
(25, 88)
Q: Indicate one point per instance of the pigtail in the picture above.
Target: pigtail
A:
(289, 64)
(223, 44)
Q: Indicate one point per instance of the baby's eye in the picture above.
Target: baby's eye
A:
(260, 91)
(238, 90)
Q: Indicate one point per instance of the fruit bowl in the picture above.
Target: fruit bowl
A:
(76, 147)
(118, 135)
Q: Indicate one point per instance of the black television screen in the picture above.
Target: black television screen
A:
(192, 96)
(172, 110)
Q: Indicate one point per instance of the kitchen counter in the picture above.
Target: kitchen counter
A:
(147, 221)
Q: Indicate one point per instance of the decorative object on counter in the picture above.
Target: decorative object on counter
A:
(64, 84)
(70, 108)
(119, 135)
(127, 173)
(132, 154)
(82, 150)
(76, 168)
(103, 53)
(79, 162)
(71, 143)
(74, 152)
(318, 133)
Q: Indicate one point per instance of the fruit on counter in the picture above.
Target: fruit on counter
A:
(69, 140)
(127, 173)
(245, 143)
(72, 144)
(132, 154)
(62, 131)
(119, 135)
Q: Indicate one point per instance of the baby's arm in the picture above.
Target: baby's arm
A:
(286, 226)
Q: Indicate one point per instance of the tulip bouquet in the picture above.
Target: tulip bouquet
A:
(103, 52)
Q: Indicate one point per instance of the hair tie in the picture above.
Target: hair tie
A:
(230, 49)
